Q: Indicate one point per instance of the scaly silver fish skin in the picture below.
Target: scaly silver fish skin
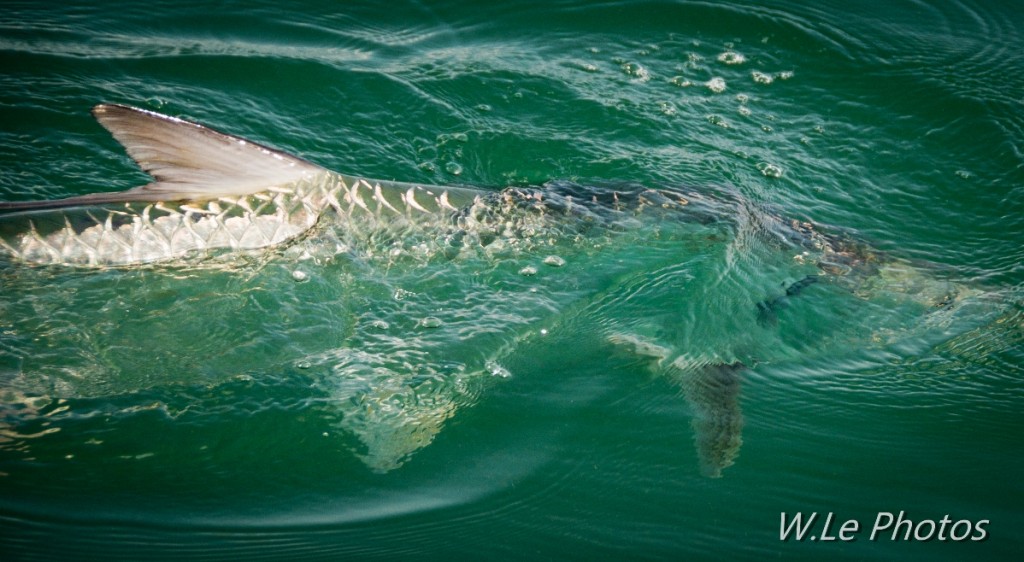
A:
(137, 233)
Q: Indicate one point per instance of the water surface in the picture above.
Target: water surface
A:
(227, 408)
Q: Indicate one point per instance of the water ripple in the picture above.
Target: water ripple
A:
(227, 409)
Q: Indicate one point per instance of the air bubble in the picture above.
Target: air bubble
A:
(497, 370)
(303, 364)
(554, 261)
(453, 168)
(636, 71)
(769, 170)
(762, 78)
(717, 120)
(431, 322)
(300, 276)
(732, 57)
(528, 271)
(401, 294)
(716, 85)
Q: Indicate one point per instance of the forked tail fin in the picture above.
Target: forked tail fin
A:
(188, 161)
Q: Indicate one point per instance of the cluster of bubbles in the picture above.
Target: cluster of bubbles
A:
(702, 68)
(446, 151)
(714, 74)
(718, 84)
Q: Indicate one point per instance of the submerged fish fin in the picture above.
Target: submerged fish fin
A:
(767, 310)
(188, 161)
(713, 392)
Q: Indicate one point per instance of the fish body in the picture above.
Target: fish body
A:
(134, 233)
(211, 191)
(215, 192)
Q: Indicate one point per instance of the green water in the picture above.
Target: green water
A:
(385, 405)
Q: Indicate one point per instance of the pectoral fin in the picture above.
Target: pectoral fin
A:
(713, 392)
(767, 310)
(711, 389)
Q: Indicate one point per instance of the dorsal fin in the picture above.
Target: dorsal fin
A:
(188, 161)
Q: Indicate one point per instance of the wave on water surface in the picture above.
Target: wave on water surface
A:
(537, 357)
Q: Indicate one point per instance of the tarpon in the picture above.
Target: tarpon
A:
(213, 192)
